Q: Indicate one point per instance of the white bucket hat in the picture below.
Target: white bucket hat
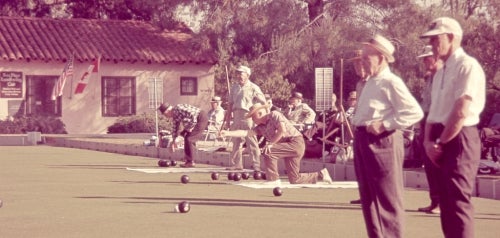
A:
(427, 51)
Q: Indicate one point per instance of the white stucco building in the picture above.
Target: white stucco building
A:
(34, 52)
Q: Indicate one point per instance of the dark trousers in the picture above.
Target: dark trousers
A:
(378, 162)
(459, 165)
(196, 134)
(431, 171)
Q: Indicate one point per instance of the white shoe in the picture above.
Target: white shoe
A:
(325, 175)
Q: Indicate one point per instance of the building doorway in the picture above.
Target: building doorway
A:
(38, 96)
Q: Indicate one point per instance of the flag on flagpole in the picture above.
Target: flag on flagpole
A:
(59, 86)
(97, 64)
(84, 80)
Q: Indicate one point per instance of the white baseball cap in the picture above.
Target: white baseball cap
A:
(244, 69)
(443, 25)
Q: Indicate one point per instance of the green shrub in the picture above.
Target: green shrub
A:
(24, 123)
(144, 123)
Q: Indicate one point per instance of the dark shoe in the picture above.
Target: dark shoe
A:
(357, 201)
(188, 165)
(428, 209)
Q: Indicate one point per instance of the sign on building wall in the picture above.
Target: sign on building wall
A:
(11, 84)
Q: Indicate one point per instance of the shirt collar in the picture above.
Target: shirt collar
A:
(454, 56)
(381, 74)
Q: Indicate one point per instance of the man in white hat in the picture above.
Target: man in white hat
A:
(451, 136)
(284, 141)
(385, 106)
(215, 114)
(362, 77)
(431, 64)
(242, 96)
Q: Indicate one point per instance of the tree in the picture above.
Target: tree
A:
(283, 41)
(29, 8)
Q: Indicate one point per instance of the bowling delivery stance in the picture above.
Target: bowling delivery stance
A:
(284, 141)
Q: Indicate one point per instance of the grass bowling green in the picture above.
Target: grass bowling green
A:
(65, 192)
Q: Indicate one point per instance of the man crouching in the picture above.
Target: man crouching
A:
(284, 141)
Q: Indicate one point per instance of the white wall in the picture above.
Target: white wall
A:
(81, 113)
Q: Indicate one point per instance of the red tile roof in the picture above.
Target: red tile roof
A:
(47, 39)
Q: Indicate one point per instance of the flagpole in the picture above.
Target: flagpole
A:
(99, 58)
(72, 76)
(71, 87)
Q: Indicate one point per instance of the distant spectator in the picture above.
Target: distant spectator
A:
(216, 113)
(299, 113)
(490, 138)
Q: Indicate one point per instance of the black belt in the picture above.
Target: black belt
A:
(363, 129)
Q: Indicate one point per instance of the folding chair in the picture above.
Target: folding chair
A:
(212, 130)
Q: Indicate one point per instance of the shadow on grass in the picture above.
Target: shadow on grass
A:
(232, 202)
(172, 182)
(93, 166)
(478, 216)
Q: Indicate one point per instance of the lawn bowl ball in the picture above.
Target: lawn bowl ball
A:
(185, 179)
(173, 163)
(277, 191)
(237, 177)
(162, 163)
(215, 176)
(245, 175)
(183, 207)
(263, 175)
(230, 176)
(257, 175)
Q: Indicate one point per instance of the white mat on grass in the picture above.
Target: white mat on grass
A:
(187, 170)
(286, 184)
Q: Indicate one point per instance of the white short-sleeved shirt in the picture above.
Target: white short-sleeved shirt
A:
(385, 97)
(301, 114)
(270, 128)
(243, 97)
(461, 75)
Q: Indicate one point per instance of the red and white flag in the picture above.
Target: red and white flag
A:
(67, 71)
(93, 68)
